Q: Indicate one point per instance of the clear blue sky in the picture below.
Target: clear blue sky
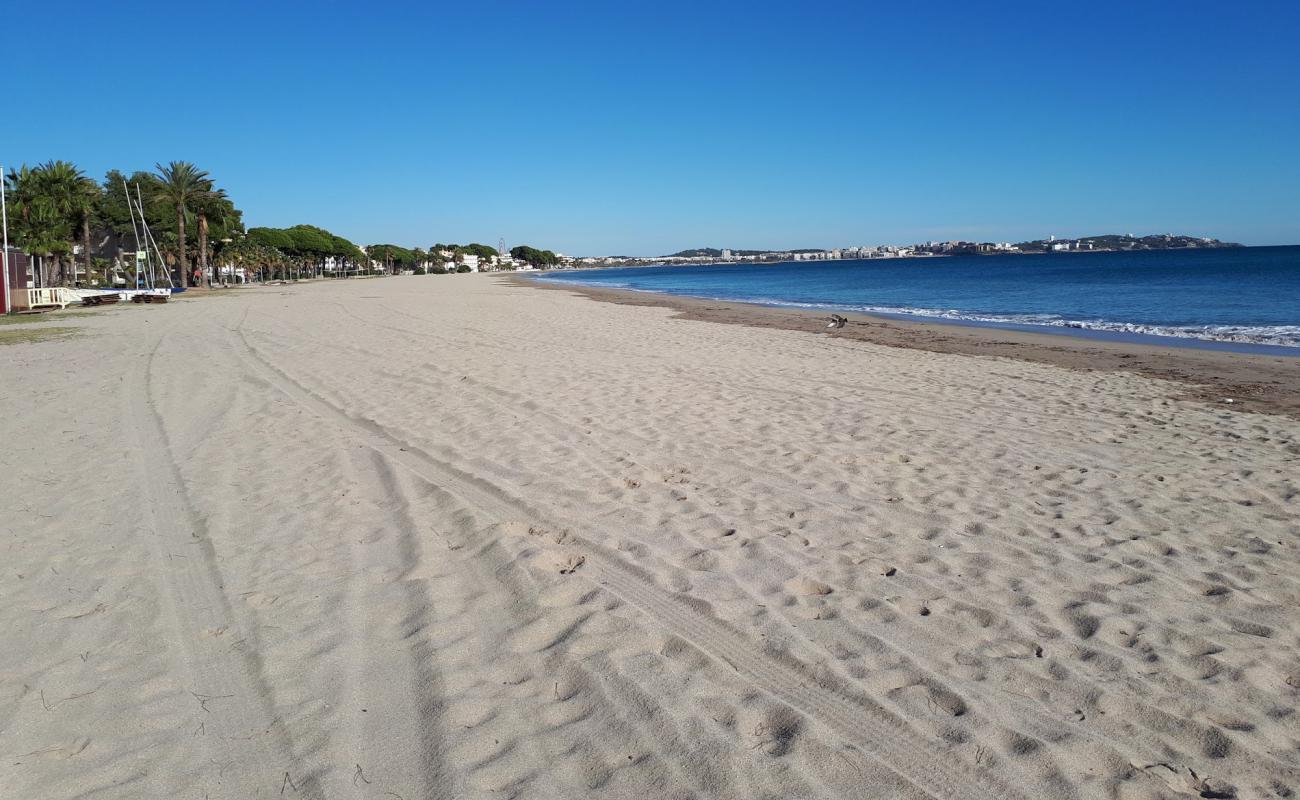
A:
(647, 127)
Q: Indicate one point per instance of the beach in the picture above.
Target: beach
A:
(1268, 383)
(468, 537)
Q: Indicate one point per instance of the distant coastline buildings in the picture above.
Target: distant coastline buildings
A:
(1104, 243)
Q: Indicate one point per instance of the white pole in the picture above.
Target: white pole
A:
(4, 215)
(163, 269)
(148, 239)
(126, 191)
(162, 265)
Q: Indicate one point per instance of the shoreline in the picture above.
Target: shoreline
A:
(1268, 384)
(1076, 331)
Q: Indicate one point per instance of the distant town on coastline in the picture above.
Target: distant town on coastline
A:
(1105, 243)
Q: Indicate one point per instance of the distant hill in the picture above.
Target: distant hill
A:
(1115, 241)
(697, 252)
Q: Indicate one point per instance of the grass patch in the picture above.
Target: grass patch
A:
(47, 316)
(23, 319)
(34, 335)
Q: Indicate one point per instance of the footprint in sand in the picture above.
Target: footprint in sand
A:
(701, 561)
(807, 587)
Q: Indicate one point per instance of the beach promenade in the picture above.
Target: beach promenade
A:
(456, 537)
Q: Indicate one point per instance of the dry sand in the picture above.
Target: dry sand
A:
(456, 538)
(1252, 382)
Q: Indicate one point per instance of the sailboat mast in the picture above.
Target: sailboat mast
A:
(126, 190)
(148, 240)
(162, 265)
(4, 212)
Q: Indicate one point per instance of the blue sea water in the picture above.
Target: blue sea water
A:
(1247, 296)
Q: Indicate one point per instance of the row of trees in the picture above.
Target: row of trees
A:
(481, 250)
(542, 259)
(306, 242)
(304, 249)
(394, 256)
(56, 209)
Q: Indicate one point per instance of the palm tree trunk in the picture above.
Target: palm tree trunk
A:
(85, 243)
(180, 230)
(204, 262)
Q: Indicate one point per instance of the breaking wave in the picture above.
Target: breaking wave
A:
(1278, 335)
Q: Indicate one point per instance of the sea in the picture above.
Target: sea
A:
(1243, 299)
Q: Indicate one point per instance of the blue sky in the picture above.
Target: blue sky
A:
(647, 127)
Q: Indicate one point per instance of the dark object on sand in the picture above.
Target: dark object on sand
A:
(837, 321)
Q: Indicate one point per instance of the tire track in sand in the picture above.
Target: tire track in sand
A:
(866, 725)
(250, 752)
(399, 698)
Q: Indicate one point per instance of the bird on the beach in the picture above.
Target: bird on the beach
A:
(837, 321)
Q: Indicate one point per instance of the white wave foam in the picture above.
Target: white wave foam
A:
(1279, 335)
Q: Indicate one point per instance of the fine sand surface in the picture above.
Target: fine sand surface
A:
(1253, 382)
(452, 537)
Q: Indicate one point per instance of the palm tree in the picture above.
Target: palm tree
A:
(19, 187)
(46, 201)
(86, 203)
(214, 206)
(42, 231)
(71, 195)
(39, 223)
(182, 185)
